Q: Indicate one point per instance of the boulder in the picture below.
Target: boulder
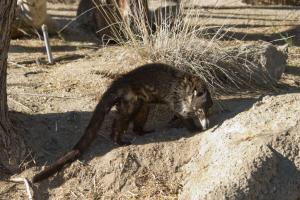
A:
(254, 155)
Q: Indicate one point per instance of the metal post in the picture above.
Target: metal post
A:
(46, 40)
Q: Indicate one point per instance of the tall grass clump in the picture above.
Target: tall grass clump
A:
(179, 40)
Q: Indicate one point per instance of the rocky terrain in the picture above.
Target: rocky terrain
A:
(251, 150)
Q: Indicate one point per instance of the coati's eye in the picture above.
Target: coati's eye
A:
(198, 93)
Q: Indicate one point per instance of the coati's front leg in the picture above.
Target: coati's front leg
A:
(136, 112)
(119, 128)
(140, 119)
(129, 110)
(126, 107)
(175, 122)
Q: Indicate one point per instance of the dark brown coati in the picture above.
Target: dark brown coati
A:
(185, 94)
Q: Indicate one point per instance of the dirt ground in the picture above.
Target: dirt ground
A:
(51, 105)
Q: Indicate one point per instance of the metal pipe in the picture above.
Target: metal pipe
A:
(47, 44)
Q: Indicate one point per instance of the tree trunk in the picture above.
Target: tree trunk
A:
(11, 145)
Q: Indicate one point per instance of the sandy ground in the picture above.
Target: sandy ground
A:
(51, 104)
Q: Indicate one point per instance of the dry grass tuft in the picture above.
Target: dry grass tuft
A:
(181, 42)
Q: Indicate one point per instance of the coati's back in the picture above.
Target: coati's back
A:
(159, 76)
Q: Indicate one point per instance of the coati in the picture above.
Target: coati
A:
(185, 94)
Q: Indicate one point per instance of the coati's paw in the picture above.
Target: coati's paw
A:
(175, 123)
(194, 129)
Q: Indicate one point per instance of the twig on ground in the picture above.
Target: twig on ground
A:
(47, 152)
(27, 186)
(23, 161)
(132, 194)
(8, 189)
(74, 195)
(45, 95)
(16, 64)
(17, 102)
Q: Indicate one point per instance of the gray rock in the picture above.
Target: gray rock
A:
(255, 155)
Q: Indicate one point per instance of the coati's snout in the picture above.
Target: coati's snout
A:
(201, 102)
(201, 119)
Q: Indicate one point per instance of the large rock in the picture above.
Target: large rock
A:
(255, 155)
(259, 64)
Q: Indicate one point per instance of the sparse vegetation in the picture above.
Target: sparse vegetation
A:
(52, 105)
(179, 41)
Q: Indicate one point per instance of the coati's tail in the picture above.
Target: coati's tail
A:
(107, 101)
(69, 157)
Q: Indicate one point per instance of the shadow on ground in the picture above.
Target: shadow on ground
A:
(292, 70)
(53, 134)
(291, 35)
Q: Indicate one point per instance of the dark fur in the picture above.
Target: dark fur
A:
(184, 93)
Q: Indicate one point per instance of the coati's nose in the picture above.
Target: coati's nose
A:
(204, 123)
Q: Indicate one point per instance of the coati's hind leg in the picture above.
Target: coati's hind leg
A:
(127, 109)
(140, 119)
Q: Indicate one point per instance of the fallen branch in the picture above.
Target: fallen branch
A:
(16, 64)
(8, 189)
(27, 186)
(19, 103)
